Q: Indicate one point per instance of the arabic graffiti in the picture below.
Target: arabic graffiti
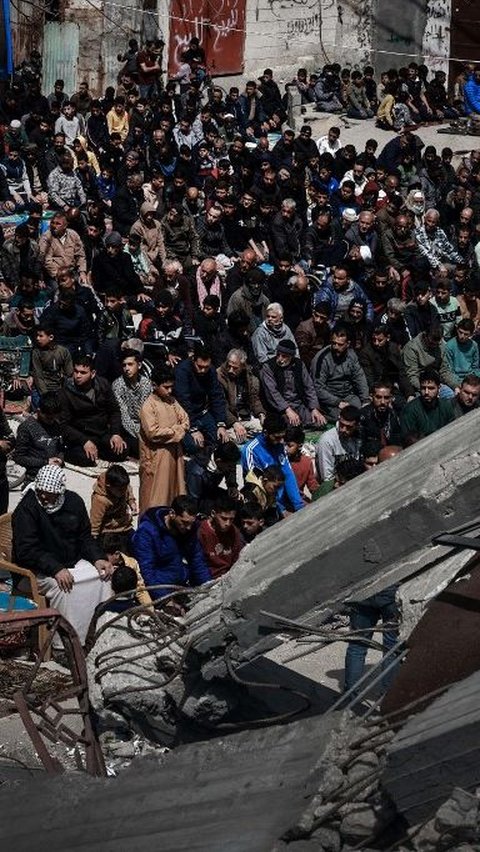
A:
(304, 26)
(278, 7)
(219, 26)
(436, 36)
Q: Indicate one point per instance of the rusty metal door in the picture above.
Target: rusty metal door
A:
(220, 27)
(464, 29)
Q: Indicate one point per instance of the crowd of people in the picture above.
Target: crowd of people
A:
(401, 99)
(202, 289)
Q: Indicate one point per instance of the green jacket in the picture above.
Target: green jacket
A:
(417, 421)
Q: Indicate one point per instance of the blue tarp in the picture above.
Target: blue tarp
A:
(6, 45)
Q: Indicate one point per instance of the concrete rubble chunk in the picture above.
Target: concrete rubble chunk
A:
(459, 811)
(329, 840)
(361, 822)
(436, 751)
(231, 794)
(332, 781)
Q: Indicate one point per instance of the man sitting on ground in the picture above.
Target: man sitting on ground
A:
(426, 350)
(337, 375)
(379, 421)
(468, 396)
(198, 391)
(39, 438)
(90, 420)
(204, 475)
(288, 388)
(245, 411)
(427, 412)
(340, 443)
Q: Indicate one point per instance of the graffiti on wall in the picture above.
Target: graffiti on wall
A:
(218, 25)
(278, 7)
(436, 36)
(304, 26)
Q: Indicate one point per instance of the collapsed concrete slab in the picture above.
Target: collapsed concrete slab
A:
(435, 751)
(373, 532)
(242, 792)
(352, 542)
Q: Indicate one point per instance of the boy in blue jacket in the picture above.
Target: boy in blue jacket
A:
(167, 548)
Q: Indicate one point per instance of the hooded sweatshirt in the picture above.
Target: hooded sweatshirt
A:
(151, 234)
(110, 514)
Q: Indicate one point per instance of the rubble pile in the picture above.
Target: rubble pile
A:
(455, 826)
(349, 806)
(351, 810)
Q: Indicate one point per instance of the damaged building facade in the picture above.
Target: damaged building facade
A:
(80, 39)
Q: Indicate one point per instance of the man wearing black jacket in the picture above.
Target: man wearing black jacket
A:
(90, 417)
(379, 422)
(199, 392)
(126, 204)
(53, 538)
(382, 361)
(114, 267)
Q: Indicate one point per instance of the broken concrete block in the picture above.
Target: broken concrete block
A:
(237, 793)
(361, 822)
(459, 811)
(329, 840)
(332, 780)
(436, 751)
(427, 838)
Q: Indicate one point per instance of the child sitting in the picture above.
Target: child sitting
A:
(250, 521)
(205, 164)
(126, 577)
(51, 363)
(261, 487)
(210, 326)
(301, 464)
(462, 351)
(113, 506)
(205, 475)
(106, 186)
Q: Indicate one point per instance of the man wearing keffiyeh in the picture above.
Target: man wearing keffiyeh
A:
(52, 537)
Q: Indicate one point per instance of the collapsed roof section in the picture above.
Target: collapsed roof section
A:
(363, 537)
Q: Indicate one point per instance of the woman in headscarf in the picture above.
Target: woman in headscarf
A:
(52, 537)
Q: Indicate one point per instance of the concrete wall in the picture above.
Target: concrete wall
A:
(413, 30)
(285, 34)
(26, 22)
(436, 35)
(103, 34)
(282, 34)
(347, 30)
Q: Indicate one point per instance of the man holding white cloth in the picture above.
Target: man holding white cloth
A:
(52, 537)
